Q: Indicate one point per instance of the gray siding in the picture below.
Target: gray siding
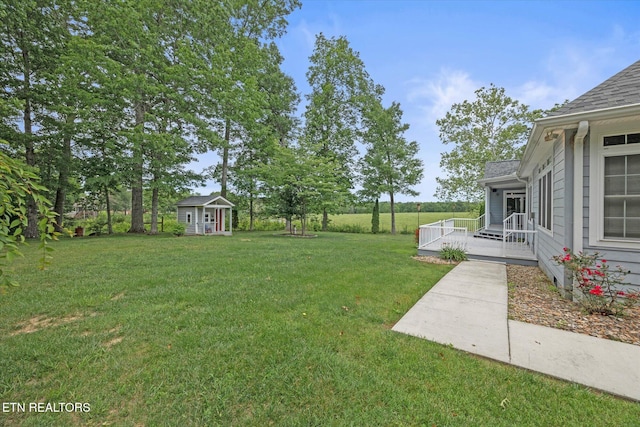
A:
(550, 244)
(182, 217)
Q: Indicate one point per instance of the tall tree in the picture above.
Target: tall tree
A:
(241, 52)
(275, 126)
(340, 87)
(492, 127)
(141, 44)
(32, 37)
(296, 184)
(390, 165)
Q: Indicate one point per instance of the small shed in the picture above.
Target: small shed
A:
(206, 215)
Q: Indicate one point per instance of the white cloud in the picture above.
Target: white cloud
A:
(537, 94)
(434, 97)
(573, 67)
(307, 31)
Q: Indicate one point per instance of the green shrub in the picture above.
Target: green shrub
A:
(120, 227)
(95, 225)
(453, 253)
(375, 218)
(174, 227)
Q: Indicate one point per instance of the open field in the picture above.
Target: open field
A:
(406, 222)
(254, 329)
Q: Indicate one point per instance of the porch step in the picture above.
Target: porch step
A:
(489, 234)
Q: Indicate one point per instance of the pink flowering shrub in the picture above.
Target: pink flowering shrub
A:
(599, 283)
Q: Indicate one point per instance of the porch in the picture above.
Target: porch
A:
(513, 241)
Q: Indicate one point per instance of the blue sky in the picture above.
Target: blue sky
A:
(431, 54)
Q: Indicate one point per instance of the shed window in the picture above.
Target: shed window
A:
(188, 217)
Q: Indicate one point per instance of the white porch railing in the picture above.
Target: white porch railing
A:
(470, 224)
(447, 231)
(518, 234)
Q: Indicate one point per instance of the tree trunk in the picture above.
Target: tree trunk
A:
(63, 176)
(154, 211)
(225, 159)
(250, 211)
(108, 205)
(137, 209)
(393, 214)
(325, 219)
(30, 155)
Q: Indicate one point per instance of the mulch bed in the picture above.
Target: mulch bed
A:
(534, 299)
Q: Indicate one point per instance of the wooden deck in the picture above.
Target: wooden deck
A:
(483, 249)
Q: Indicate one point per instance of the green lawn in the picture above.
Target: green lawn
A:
(255, 329)
(406, 222)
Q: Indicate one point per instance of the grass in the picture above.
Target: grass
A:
(406, 222)
(254, 329)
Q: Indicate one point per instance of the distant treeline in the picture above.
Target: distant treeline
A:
(385, 207)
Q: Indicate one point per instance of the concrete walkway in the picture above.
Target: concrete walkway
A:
(468, 309)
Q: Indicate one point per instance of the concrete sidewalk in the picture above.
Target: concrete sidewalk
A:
(468, 309)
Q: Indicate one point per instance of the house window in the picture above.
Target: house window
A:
(545, 194)
(614, 185)
(632, 138)
(188, 217)
(622, 195)
(530, 202)
(207, 217)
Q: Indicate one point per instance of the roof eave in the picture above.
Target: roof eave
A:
(566, 121)
(503, 178)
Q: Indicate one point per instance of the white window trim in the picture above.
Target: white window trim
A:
(548, 169)
(597, 153)
(189, 217)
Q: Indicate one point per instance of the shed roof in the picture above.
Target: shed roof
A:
(500, 168)
(203, 200)
(617, 91)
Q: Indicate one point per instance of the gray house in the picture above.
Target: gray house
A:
(578, 183)
(206, 215)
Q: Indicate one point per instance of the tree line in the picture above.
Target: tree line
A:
(404, 207)
(106, 98)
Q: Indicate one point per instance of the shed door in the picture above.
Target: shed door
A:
(218, 220)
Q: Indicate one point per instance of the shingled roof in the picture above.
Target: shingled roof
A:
(200, 200)
(501, 168)
(619, 90)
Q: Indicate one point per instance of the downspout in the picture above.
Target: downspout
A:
(578, 182)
